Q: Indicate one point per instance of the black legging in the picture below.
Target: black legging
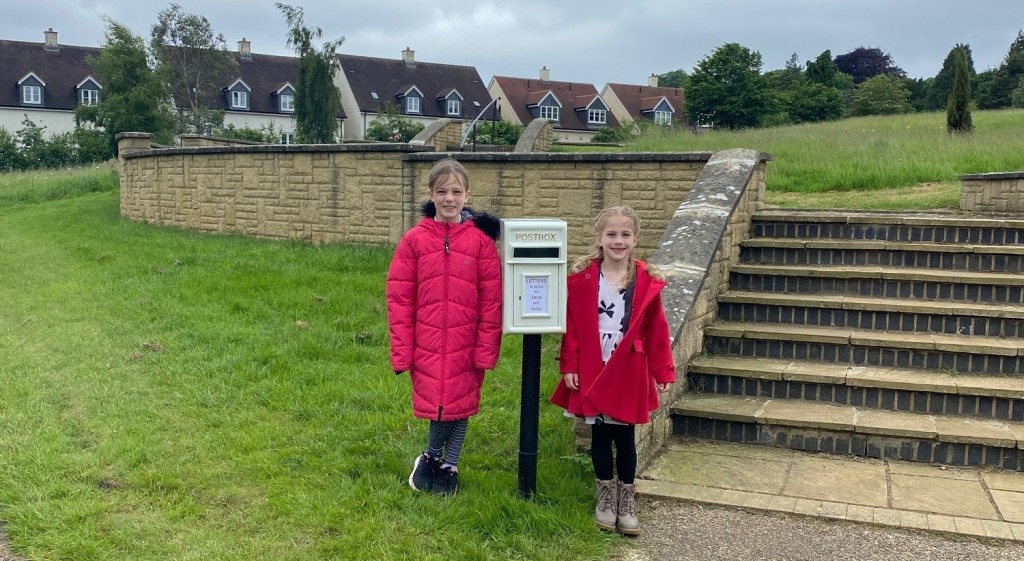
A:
(624, 437)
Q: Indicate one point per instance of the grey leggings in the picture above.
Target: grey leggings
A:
(446, 438)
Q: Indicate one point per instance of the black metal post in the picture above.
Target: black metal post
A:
(529, 416)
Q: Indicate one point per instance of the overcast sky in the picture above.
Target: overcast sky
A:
(595, 41)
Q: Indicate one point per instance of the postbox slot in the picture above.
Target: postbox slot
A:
(536, 252)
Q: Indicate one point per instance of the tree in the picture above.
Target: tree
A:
(867, 62)
(316, 99)
(920, 89)
(958, 108)
(942, 85)
(134, 98)
(728, 89)
(811, 102)
(822, 70)
(1006, 77)
(195, 63)
(392, 126)
(673, 79)
(881, 95)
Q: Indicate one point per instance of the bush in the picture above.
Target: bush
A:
(266, 133)
(612, 135)
(497, 132)
(392, 126)
(29, 148)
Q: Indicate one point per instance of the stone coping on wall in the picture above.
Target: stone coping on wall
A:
(993, 175)
(281, 148)
(645, 157)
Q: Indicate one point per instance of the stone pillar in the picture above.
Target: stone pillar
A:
(128, 142)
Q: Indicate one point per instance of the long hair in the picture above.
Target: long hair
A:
(597, 253)
(444, 168)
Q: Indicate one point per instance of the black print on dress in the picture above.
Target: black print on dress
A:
(627, 307)
(603, 308)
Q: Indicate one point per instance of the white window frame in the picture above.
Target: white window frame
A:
(412, 104)
(32, 95)
(454, 107)
(663, 117)
(89, 97)
(549, 112)
(239, 100)
(287, 137)
(597, 116)
(287, 103)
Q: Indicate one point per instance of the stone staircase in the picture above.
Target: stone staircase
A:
(878, 335)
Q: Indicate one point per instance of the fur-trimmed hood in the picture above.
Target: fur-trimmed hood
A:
(486, 223)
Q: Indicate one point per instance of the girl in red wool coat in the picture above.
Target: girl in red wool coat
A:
(616, 356)
(444, 315)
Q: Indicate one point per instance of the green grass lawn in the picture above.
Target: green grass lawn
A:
(174, 395)
(863, 154)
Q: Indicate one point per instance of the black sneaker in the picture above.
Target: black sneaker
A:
(424, 470)
(446, 482)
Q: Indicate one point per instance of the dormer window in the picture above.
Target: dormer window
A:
(663, 117)
(287, 103)
(32, 95)
(412, 105)
(549, 112)
(454, 107)
(597, 116)
(89, 97)
(238, 95)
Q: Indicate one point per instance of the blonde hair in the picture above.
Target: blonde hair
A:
(444, 168)
(597, 254)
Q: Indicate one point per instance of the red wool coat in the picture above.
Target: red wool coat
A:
(444, 312)
(626, 388)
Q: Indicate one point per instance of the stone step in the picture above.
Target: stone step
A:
(937, 228)
(894, 389)
(953, 257)
(888, 282)
(859, 347)
(836, 310)
(838, 429)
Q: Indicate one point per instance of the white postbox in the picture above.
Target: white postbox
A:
(533, 251)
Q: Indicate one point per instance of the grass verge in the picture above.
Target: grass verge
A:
(173, 395)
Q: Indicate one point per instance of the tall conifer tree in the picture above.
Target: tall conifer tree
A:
(958, 108)
(316, 98)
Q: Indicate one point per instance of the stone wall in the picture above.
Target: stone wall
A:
(371, 193)
(992, 193)
(699, 245)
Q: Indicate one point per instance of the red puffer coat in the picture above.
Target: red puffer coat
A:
(625, 389)
(444, 312)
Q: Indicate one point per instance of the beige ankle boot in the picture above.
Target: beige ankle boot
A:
(604, 513)
(626, 511)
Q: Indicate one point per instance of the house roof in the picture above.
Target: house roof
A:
(637, 99)
(61, 70)
(523, 92)
(388, 76)
(265, 75)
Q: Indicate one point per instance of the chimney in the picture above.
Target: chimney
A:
(50, 40)
(245, 49)
(545, 74)
(409, 56)
(653, 80)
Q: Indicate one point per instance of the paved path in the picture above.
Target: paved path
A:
(969, 503)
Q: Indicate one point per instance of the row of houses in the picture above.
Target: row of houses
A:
(45, 81)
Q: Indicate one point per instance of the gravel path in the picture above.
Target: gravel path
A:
(680, 531)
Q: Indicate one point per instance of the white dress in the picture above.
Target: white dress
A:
(612, 321)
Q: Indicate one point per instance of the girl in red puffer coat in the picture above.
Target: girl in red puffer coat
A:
(444, 315)
(616, 357)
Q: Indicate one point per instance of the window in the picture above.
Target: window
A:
(32, 94)
(373, 94)
(549, 112)
(597, 116)
(287, 103)
(412, 105)
(287, 138)
(90, 97)
(239, 100)
(454, 107)
(663, 117)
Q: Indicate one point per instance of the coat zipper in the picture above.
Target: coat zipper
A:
(444, 338)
